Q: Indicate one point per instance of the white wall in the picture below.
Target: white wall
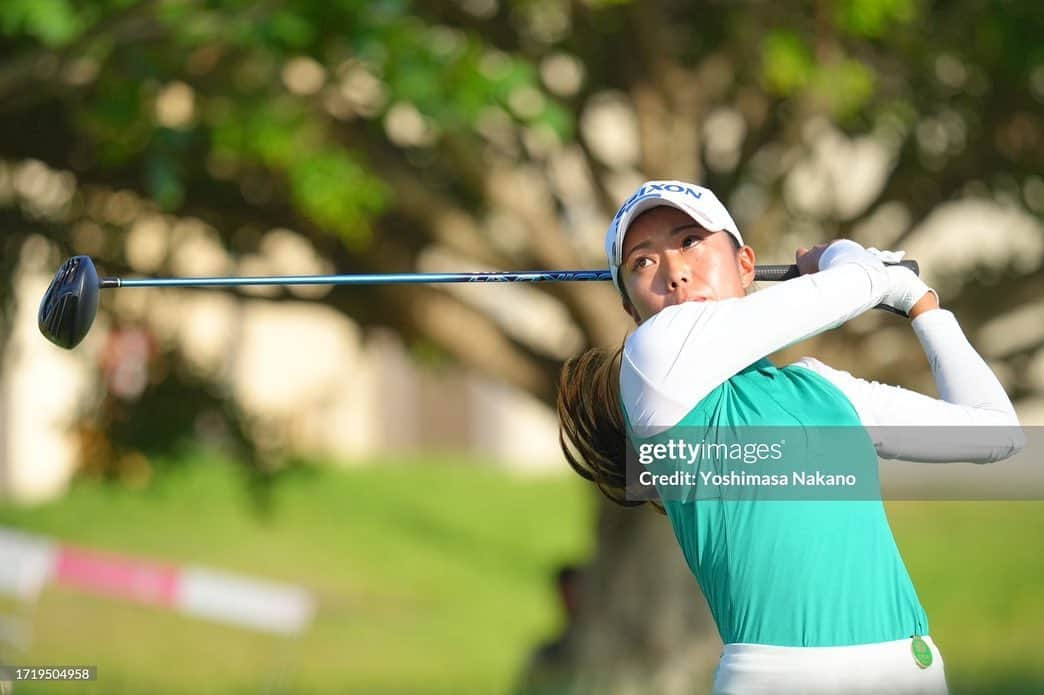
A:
(41, 389)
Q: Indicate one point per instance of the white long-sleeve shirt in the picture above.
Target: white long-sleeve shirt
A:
(677, 357)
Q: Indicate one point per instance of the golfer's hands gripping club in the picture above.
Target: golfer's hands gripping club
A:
(907, 294)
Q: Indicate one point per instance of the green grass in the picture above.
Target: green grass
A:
(434, 578)
(431, 578)
(979, 571)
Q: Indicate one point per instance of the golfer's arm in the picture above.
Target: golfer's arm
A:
(684, 352)
(700, 344)
(973, 420)
(961, 375)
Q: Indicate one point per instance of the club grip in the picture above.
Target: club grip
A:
(775, 273)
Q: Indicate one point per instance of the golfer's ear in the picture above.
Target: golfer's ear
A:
(746, 261)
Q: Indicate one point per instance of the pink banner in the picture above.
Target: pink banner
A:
(117, 576)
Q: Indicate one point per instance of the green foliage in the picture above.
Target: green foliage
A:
(786, 62)
(118, 122)
(873, 18)
(231, 57)
(338, 194)
(270, 133)
(845, 87)
(327, 183)
(291, 30)
(57, 23)
(1008, 38)
(52, 22)
(842, 86)
(163, 181)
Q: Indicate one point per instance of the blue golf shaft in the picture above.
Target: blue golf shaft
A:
(762, 273)
(365, 279)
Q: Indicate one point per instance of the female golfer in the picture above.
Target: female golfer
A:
(809, 596)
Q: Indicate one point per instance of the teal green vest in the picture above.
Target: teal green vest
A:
(794, 572)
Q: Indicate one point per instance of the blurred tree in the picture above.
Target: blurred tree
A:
(505, 133)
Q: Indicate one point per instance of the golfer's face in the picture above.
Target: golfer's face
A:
(668, 258)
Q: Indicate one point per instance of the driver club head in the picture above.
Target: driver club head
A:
(70, 304)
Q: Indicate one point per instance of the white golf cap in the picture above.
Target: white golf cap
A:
(697, 202)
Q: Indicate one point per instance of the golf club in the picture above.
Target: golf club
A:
(71, 301)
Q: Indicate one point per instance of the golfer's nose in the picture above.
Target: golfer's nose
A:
(678, 272)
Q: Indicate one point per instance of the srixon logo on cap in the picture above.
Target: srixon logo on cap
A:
(654, 190)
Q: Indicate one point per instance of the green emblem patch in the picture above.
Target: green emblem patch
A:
(922, 653)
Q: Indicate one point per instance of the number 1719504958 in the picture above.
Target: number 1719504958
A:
(47, 673)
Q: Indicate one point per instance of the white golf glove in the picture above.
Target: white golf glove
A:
(905, 287)
(887, 256)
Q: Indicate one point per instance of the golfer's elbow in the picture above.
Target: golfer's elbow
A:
(1002, 440)
(1016, 440)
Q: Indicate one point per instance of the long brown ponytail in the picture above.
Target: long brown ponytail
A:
(592, 431)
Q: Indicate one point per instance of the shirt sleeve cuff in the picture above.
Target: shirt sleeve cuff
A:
(931, 323)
